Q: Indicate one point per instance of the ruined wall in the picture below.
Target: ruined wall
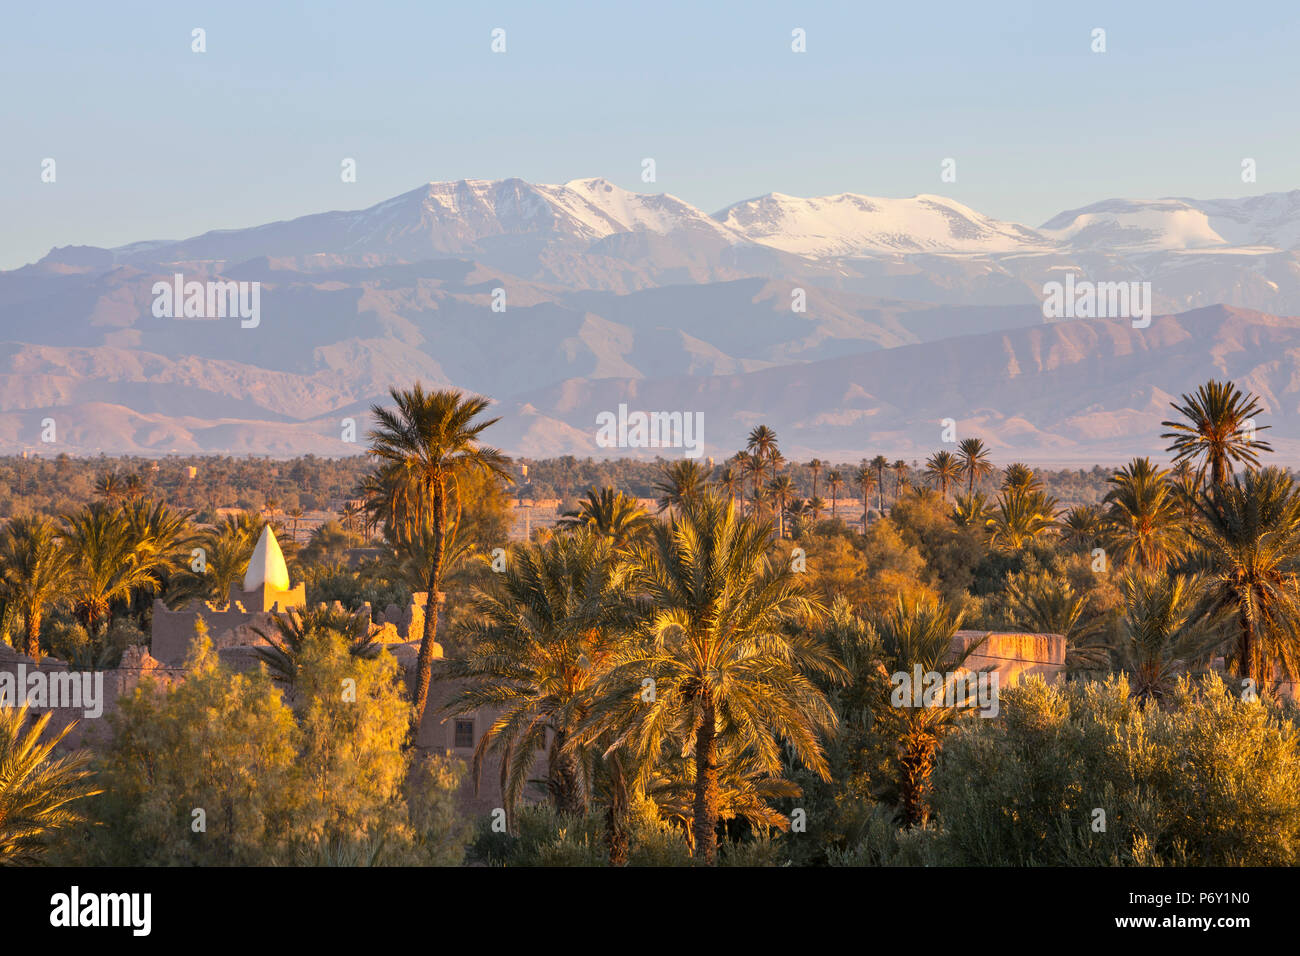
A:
(1014, 656)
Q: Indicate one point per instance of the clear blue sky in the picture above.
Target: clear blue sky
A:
(153, 141)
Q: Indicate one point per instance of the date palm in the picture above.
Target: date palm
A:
(728, 670)
(975, 462)
(611, 514)
(105, 565)
(109, 487)
(540, 637)
(753, 467)
(865, 477)
(1081, 527)
(731, 481)
(1020, 477)
(34, 574)
(1143, 525)
(816, 466)
(1019, 517)
(834, 480)
(971, 511)
(1164, 633)
(291, 631)
(900, 478)
(679, 482)
(40, 794)
(880, 463)
(762, 443)
(917, 633)
(943, 468)
(1249, 533)
(781, 489)
(1216, 432)
(433, 438)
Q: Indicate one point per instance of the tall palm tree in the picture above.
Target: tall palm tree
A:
(105, 565)
(1143, 525)
(865, 477)
(917, 633)
(727, 670)
(1214, 434)
(975, 462)
(434, 439)
(943, 469)
(834, 480)
(880, 463)
(762, 443)
(611, 514)
(782, 491)
(731, 481)
(900, 478)
(541, 635)
(1164, 633)
(1250, 535)
(39, 793)
(753, 467)
(816, 466)
(295, 515)
(679, 482)
(34, 573)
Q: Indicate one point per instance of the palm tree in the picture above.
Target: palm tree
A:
(834, 480)
(133, 488)
(541, 634)
(679, 482)
(109, 487)
(105, 565)
(1250, 535)
(943, 469)
(1048, 604)
(1142, 521)
(900, 478)
(34, 573)
(1020, 477)
(731, 480)
(295, 515)
(434, 439)
(1081, 526)
(729, 676)
(762, 443)
(975, 462)
(290, 633)
(351, 512)
(816, 466)
(1215, 433)
(753, 467)
(782, 491)
(1021, 516)
(865, 477)
(611, 514)
(880, 463)
(37, 791)
(917, 633)
(1164, 633)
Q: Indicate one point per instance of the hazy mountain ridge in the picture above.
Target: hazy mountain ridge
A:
(617, 296)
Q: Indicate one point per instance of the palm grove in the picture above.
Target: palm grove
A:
(711, 682)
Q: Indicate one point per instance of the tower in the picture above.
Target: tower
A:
(266, 582)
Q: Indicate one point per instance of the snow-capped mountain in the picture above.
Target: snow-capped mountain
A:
(1270, 221)
(854, 225)
(913, 308)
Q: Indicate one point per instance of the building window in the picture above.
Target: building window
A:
(465, 733)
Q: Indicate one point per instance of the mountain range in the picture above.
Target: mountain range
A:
(852, 324)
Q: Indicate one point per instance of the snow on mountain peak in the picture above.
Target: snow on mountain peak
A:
(849, 224)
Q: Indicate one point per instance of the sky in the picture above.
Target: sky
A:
(152, 140)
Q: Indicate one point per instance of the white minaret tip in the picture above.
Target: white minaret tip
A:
(267, 564)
